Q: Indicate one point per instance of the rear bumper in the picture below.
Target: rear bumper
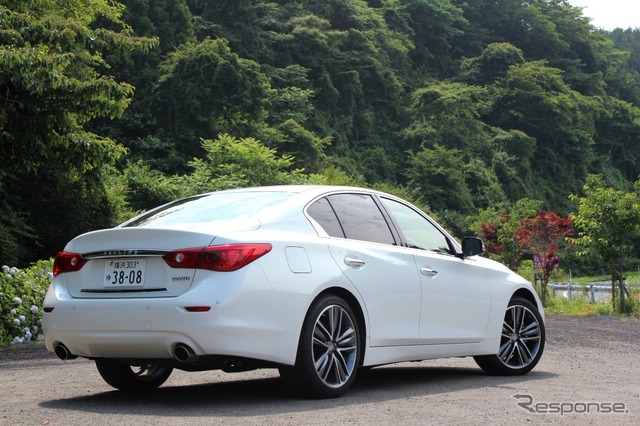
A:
(259, 323)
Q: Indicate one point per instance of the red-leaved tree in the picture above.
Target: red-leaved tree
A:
(498, 238)
(543, 236)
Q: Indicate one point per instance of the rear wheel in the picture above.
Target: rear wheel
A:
(328, 352)
(132, 377)
(522, 341)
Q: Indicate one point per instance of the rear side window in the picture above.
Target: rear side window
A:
(353, 216)
(322, 212)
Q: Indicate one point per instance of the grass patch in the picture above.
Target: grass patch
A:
(579, 304)
(577, 307)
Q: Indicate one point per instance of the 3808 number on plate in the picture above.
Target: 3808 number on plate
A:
(124, 273)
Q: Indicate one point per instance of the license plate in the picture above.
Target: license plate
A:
(124, 273)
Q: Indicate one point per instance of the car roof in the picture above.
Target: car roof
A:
(302, 195)
(310, 190)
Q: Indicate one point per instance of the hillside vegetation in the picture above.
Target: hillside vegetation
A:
(107, 108)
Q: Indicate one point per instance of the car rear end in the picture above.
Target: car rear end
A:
(171, 292)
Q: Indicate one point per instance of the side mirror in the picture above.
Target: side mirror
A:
(472, 246)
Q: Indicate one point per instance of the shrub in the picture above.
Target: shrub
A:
(22, 293)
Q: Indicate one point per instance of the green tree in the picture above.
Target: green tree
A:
(512, 162)
(235, 163)
(618, 135)
(305, 148)
(170, 21)
(494, 63)
(525, 25)
(356, 64)
(624, 80)
(437, 178)
(250, 27)
(554, 31)
(449, 114)
(435, 28)
(54, 79)
(519, 99)
(535, 100)
(205, 90)
(146, 187)
(608, 222)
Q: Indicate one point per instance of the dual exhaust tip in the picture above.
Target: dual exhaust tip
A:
(182, 353)
(63, 352)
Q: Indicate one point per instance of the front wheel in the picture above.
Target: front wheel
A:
(328, 352)
(522, 341)
(132, 377)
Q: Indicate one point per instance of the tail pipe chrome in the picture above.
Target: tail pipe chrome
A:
(63, 352)
(184, 353)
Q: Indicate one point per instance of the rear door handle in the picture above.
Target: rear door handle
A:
(354, 261)
(428, 272)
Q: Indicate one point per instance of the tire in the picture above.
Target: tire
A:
(522, 341)
(132, 377)
(329, 351)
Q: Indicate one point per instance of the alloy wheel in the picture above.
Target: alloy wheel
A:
(334, 346)
(521, 337)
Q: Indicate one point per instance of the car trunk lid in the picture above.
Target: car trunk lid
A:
(128, 263)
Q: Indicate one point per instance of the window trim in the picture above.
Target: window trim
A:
(398, 236)
(451, 242)
(398, 240)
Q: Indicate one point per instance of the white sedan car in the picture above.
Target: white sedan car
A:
(317, 281)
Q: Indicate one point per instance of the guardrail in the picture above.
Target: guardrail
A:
(593, 292)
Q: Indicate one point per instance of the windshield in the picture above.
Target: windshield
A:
(222, 206)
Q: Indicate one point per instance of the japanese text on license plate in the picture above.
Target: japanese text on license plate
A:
(124, 273)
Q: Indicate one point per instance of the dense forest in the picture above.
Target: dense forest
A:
(110, 108)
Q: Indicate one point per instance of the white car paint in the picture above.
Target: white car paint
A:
(415, 304)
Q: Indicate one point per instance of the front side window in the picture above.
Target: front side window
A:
(419, 232)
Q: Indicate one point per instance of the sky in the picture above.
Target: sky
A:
(610, 14)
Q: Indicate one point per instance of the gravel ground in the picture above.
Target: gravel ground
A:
(589, 374)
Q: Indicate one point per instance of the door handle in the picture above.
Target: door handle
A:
(354, 261)
(428, 272)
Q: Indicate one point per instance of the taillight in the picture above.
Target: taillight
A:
(67, 262)
(224, 258)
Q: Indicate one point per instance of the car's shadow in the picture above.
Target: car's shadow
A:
(255, 397)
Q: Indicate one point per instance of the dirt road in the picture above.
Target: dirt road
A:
(589, 374)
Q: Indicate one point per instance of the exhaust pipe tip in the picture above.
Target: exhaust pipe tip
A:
(184, 353)
(63, 353)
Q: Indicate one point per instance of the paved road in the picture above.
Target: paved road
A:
(590, 364)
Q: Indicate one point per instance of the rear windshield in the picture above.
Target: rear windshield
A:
(217, 207)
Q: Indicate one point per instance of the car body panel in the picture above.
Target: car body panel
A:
(242, 321)
(456, 300)
(258, 311)
(393, 304)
